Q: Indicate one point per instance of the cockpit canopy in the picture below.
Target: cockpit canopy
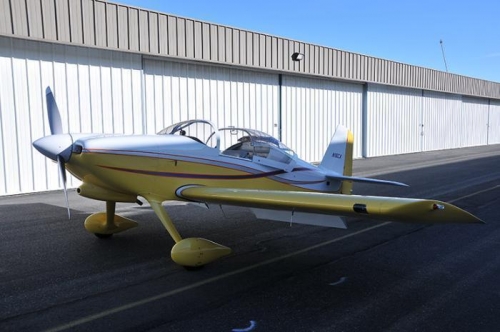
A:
(201, 131)
(235, 142)
(247, 143)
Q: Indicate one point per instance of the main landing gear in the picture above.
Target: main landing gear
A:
(190, 252)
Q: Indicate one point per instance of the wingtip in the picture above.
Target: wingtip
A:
(477, 220)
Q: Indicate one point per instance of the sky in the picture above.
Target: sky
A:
(406, 31)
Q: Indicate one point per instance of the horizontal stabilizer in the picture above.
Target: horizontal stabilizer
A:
(336, 176)
(375, 207)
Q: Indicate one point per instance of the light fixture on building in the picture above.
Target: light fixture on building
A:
(297, 56)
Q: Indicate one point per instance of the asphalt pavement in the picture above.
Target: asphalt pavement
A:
(374, 276)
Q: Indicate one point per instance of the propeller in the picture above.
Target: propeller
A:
(55, 122)
(58, 145)
(62, 176)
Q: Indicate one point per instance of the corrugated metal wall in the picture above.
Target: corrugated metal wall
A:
(96, 91)
(403, 120)
(394, 120)
(494, 123)
(474, 127)
(311, 110)
(102, 24)
(116, 92)
(180, 91)
(441, 118)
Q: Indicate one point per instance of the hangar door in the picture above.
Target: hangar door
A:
(176, 91)
(494, 123)
(474, 121)
(312, 109)
(96, 91)
(393, 120)
(441, 120)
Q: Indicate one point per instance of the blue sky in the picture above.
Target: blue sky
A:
(406, 31)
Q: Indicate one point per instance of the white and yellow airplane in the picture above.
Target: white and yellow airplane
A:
(193, 161)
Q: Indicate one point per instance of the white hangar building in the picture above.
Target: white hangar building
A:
(119, 69)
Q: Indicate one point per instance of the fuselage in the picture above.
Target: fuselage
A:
(159, 164)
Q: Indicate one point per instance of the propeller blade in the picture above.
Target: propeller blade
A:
(62, 175)
(55, 122)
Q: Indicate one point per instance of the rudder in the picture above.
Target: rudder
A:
(338, 156)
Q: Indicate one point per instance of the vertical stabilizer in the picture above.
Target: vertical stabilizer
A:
(338, 156)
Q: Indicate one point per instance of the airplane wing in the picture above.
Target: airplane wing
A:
(375, 207)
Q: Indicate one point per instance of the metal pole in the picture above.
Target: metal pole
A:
(442, 51)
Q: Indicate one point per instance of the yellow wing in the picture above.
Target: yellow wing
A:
(375, 207)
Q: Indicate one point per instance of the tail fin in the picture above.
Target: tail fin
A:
(338, 156)
(337, 162)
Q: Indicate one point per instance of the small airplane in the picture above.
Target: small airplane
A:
(194, 161)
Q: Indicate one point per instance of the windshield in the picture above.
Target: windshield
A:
(201, 131)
